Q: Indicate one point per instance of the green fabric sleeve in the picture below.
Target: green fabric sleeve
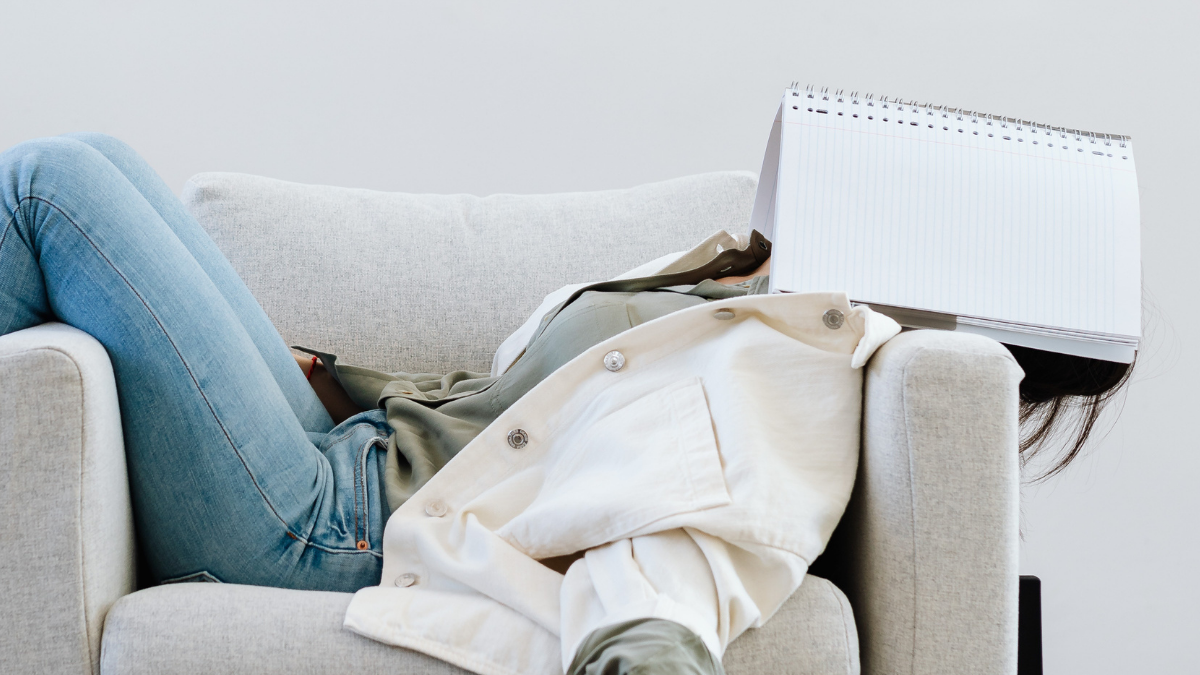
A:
(644, 647)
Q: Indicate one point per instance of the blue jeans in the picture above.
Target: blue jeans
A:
(237, 473)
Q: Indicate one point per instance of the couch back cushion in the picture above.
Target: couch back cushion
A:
(433, 283)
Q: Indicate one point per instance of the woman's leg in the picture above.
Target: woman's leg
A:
(272, 348)
(224, 478)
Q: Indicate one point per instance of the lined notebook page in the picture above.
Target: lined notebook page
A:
(913, 207)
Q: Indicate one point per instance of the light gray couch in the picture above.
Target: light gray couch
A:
(921, 576)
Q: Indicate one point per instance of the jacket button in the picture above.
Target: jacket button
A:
(518, 438)
(723, 314)
(833, 319)
(614, 360)
(436, 508)
(407, 579)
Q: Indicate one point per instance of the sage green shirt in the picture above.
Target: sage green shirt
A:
(433, 416)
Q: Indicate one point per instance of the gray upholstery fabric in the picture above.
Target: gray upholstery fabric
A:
(65, 521)
(433, 283)
(225, 628)
(814, 632)
(930, 541)
(928, 550)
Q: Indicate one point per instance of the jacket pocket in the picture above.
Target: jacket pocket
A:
(654, 458)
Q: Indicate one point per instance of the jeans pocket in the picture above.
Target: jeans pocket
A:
(365, 493)
(202, 577)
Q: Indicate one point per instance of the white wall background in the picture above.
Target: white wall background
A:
(483, 97)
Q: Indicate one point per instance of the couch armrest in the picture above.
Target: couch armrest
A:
(928, 552)
(65, 518)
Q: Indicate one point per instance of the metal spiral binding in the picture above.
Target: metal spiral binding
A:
(959, 114)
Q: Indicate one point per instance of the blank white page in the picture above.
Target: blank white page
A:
(930, 209)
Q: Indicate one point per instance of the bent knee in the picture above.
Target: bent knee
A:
(40, 158)
(47, 175)
(109, 146)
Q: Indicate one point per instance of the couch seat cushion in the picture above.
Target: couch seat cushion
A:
(227, 628)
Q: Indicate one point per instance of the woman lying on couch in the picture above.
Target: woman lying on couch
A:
(245, 468)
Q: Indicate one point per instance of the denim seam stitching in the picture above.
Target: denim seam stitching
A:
(331, 549)
(366, 504)
(8, 226)
(361, 469)
(186, 578)
(357, 480)
(354, 427)
(12, 217)
(191, 375)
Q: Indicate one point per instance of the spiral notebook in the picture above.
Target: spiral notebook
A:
(946, 218)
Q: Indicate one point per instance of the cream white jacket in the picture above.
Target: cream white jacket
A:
(701, 477)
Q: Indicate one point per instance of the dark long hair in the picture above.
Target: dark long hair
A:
(1063, 394)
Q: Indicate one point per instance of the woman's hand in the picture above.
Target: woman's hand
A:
(305, 361)
(335, 399)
